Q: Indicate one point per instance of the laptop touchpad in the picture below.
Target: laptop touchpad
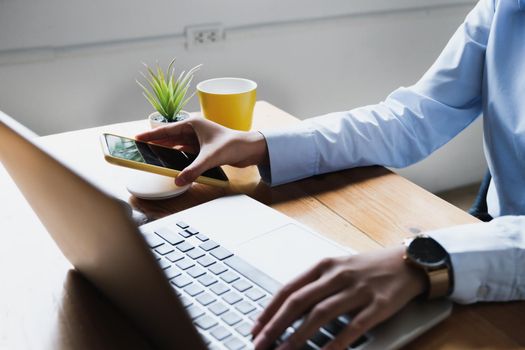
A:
(288, 251)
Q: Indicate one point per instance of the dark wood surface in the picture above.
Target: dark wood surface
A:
(45, 304)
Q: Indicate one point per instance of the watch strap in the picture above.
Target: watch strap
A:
(439, 283)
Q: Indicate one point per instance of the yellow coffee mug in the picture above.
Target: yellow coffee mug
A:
(228, 101)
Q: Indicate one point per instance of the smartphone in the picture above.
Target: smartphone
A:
(154, 158)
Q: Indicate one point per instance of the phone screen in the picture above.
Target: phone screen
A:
(148, 153)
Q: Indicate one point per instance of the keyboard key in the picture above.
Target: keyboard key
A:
(202, 237)
(185, 301)
(174, 256)
(264, 302)
(297, 323)
(229, 276)
(195, 253)
(244, 329)
(185, 263)
(195, 311)
(219, 288)
(181, 281)
(171, 272)
(194, 289)
(182, 224)
(185, 247)
(207, 280)
(206, 298)
(164, 264)
(333, 328)
(205, 322)
(218, 308)
(320, 339)
(218, 268)
(234, 343)
(360, 341)
(220, 333)
(287, 333)
(206, 260)
(192, 230)
(153, 240)
(254, 294)
(242, 285)
(231, 318)
(345, 319)
(164, 249)
(232, 298)
(169, 236)
(196, 271)
(184, 234)
(204, 337)
(209, 245)
(255, 315)
(309, 346)
(245, 307)
(220, 253)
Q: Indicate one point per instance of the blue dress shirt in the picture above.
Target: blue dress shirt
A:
(480, 72)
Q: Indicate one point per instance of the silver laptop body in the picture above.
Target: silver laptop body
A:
(208, 270)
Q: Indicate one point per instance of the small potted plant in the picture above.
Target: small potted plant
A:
(167, 95)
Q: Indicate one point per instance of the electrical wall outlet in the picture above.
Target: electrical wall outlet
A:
(204, 35)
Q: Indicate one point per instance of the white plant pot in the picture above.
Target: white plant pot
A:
(156, 120)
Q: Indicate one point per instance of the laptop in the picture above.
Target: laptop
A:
(196, 279)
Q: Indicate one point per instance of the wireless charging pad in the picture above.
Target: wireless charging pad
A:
(154, 187)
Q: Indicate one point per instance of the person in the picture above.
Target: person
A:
(480, 71)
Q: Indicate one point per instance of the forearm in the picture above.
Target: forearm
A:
(400, 131)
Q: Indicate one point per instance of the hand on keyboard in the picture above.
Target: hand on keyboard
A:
(370, 287)
(224, 294)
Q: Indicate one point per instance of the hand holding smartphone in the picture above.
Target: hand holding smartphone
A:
(149, 157)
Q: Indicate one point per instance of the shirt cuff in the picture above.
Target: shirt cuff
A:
(483, 260)
(292, 154)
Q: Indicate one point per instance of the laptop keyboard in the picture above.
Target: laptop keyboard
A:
(222, 293)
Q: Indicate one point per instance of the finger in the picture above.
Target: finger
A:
(194, 170)
(324, 312)
(166, 142)
(297, 304)
(360, 324)
(172, 130)
(174, 141)
(188, 148)
(279, 298)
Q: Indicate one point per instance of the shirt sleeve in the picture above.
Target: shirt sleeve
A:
(488, 259)
(410, 124)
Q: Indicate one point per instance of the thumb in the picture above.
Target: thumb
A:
(193, 171)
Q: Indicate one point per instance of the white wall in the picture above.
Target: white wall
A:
(80, 79)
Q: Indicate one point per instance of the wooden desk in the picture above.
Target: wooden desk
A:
(43, 304)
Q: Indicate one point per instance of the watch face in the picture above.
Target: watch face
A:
(426, 251)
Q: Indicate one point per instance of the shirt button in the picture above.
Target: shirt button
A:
(483, 292)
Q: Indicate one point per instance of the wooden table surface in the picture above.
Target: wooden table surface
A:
(46, 304)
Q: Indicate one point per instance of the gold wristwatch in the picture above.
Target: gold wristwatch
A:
(426, 254)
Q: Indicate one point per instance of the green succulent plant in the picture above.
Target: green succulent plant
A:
(167, 94)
